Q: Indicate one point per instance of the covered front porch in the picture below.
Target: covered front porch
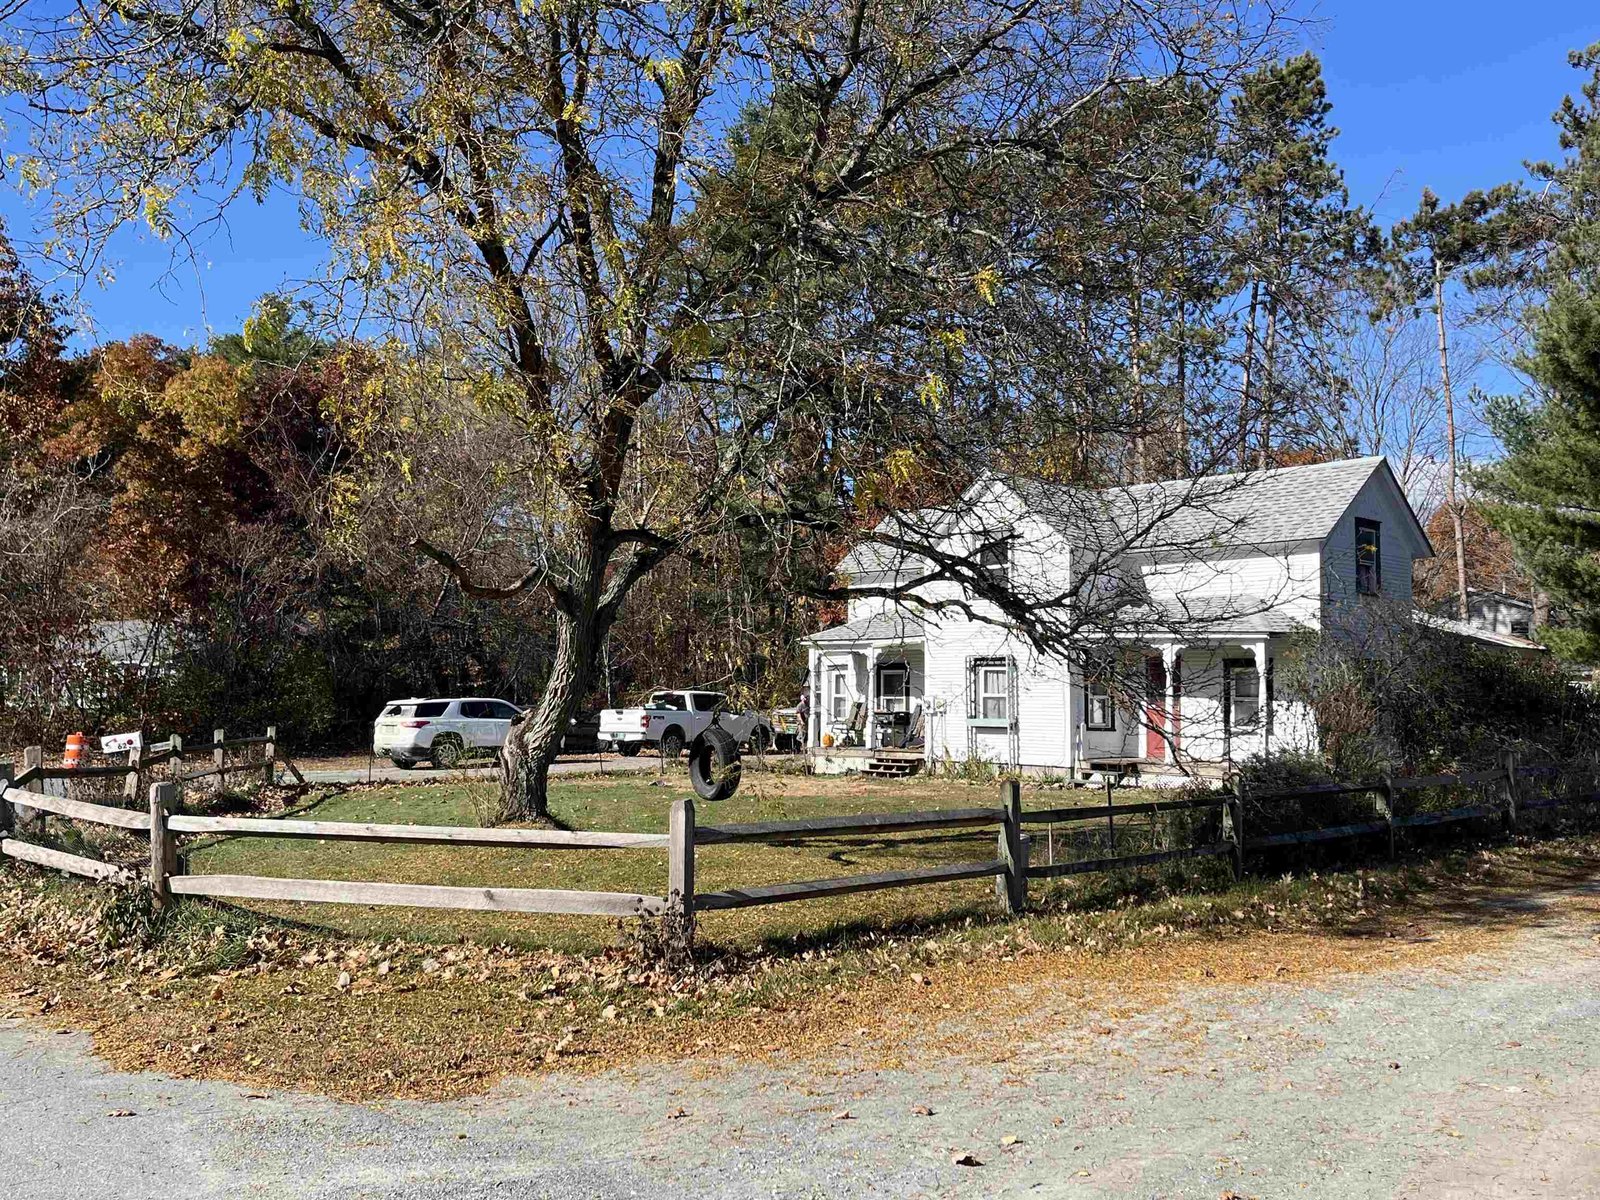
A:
(1208, 702)
(867, 685)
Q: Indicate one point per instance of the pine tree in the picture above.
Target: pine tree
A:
(1546, 490)
(1298, 239)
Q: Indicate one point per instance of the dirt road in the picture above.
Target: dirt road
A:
(1477, 1079)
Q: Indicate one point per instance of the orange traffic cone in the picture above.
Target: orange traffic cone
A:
(77, 748)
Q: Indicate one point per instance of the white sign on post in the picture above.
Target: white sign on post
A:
(118, 743)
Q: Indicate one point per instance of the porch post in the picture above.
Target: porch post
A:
(1259, 651)
(1169, 664)
(813, 730)
(868, 730)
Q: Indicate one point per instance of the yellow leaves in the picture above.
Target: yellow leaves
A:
(208, 400)
(692, 343)
(155, 206)
(953, 341)
(668, 72)
(988, 285)
(934, 392)
(238, 43)
(901, 466)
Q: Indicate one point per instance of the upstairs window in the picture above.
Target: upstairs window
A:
(1369, 557)
(994, 560)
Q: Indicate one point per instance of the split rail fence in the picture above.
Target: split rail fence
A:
(1011, 866)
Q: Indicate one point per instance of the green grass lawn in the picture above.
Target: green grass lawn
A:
(635, 803)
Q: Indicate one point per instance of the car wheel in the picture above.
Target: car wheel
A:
(672, 743)
(628, 749)
(714, 765)
(447, 751)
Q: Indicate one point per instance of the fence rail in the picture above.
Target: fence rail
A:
(1011, 867)
(485, 899)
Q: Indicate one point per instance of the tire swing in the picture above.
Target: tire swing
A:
(714, 765)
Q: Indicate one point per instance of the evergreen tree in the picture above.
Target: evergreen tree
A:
(1298, 240)
(1546, 490)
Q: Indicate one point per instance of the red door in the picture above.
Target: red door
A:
(1155, 707)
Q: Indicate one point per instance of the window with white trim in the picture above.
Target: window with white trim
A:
(1244, 695)
(894, 689)
(838, 693)
(1098, 710)
(991, 686)
(1369, 558)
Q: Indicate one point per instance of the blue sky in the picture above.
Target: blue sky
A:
(1426, 93)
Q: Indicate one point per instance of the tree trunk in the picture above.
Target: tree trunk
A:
(1452, 501)
(1244, 387)
(1269, 383)
(533, 742)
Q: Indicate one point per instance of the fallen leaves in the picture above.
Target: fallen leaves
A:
(967, 1160)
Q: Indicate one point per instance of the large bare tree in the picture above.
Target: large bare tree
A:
(683, 266)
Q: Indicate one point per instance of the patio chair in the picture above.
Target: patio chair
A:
(850, 727)
(917, 731)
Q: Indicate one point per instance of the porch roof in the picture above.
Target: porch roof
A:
(878, 627)
(1219, 617)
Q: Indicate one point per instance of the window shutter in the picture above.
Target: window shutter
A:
(1011, 691)
(972, 688)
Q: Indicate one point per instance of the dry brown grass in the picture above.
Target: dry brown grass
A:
(302, 1011)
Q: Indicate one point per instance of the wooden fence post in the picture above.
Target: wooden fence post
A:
(1508, 788)
(680, 867)
(175, 768)
(1233, 815)
(163, 846)
(219, 758)
(130, 788)
(1011, 888)
(7, 774)
(269, 774)
(30, 818)
(1383, 799)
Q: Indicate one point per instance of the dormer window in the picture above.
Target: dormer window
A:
(1369, 558)
(994, 560)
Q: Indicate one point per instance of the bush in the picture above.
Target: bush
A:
(1396, 696)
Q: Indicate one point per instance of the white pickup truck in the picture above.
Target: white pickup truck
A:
(674, 719)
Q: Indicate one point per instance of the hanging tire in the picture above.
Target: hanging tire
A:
(714, 765)
(672, 742)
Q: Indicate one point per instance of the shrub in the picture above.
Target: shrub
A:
(1406, 698)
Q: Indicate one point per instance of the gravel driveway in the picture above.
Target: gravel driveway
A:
(1482, 1079)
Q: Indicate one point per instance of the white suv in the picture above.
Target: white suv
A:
(442, 732)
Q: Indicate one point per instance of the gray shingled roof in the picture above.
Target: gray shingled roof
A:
(1250, 508)
(879, 627)
(872, 564)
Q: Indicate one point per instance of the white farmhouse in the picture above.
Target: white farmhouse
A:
(1168, 604)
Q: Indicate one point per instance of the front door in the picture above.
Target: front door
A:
(1155, 708)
